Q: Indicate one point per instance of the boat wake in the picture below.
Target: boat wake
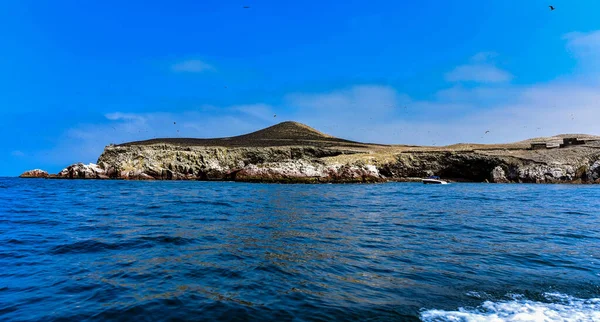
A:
(559, 307)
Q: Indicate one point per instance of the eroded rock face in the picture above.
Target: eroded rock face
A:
(577, 165)
(311, 164)
(307, 171)
(297, 170)
(498, 175)
(307, 165)
(36, 173)
(593, 172)
(83, 171)
(468, 165)
(259, 164)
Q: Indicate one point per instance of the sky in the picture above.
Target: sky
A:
(79, 75)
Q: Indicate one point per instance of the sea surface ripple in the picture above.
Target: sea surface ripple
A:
(154, 251)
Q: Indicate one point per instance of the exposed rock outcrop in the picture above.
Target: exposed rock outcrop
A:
(292, 152)
(258, 164)
(306, 171)
(82, 171)
(36, 173)
(571, 165)
(498, 175)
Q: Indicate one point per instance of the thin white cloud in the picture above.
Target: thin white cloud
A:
(259, 111)
(584, 42)
(481, 69)
(465, 116)
(480, 73)
(484, 57)
(372, 99)
(354, 113)
(585, 47)
(86, 141)
(478, 95)
(17, 153)
(117, 116)
(192, 66)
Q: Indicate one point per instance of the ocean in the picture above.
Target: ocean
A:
(75, 250)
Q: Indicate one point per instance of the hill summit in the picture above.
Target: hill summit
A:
(288, 130)
(281, 134)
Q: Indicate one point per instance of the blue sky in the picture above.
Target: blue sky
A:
(77, 76)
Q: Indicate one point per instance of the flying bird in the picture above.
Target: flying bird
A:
(174, 123)
(248, 7)
(486, 132)
(551, 8)
(274, 115)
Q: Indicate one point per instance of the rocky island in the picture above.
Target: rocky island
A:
(291, 152)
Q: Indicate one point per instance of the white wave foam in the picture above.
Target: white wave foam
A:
(562, 308)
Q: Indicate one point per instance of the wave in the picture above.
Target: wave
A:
(93, 246)
(168, 240)
(13, 241)
(559, 307)
(201, 202)
(80, 247)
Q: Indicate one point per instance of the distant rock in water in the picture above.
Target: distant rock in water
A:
(36, 173)
(296, 153)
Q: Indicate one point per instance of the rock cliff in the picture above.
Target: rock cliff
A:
(293, 152)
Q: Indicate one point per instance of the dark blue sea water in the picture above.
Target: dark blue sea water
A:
(148, 251)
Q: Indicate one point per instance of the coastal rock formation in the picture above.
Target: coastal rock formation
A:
(306, 171)
(293, 152)
(272, 164)
(82, 171)
(36, 173)
(570, 165)
(498, 175)
(287, 152)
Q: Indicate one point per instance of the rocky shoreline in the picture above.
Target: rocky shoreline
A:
(294, 153)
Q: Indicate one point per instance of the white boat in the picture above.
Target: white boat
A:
(434, 180)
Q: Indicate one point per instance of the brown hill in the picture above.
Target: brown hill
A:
(297, 134)
(285, 133)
